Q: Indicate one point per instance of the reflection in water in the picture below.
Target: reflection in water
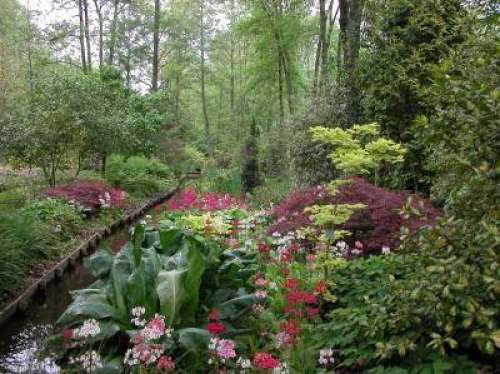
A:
(24, 355)
(22, 337)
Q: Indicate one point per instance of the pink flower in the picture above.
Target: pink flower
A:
(225, 349)
(310, 257)
(165, 363)
(155, 328)
(232, 242)
(260, 282)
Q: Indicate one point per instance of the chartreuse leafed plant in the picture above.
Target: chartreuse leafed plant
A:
(359, 150)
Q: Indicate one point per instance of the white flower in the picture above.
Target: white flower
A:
(282, 369)
(91, 361)
(342, 245)
(386, 250)
(244, 363)
(258, 308)
(138, 311)
(90, 327)
(356, 252)
(326, 357)
(260, 294)
(213, 343)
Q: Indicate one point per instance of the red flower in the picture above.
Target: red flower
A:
(158, 208)
(264, 248)
(291, 283)
(320, 288)
(263, 360)
(291, 327)
(297, 313)
(67, 336)
(214, 315)
(312, 312)
(309, 298)
(297, 297)
(216, 328)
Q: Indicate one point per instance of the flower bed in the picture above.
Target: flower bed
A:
(210, 290)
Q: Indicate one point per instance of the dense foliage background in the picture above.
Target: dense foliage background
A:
(335, 111)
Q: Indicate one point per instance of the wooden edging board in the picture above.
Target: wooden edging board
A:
(23, 301)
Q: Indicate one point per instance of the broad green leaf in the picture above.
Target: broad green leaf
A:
(138, 239)
(100, 263)
(192, 281)
(194, 339)
(171, 293)
(94, 305)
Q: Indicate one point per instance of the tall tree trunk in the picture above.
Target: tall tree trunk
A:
(114, 23)
(202, 53)
(28, 47)
(231, 64)
(98, 10)
(283, 57)
(280, 90)
(104, 158)
(322, 40)
(156, 46)
(87, 33)
(82, 35)
(316, 67)
(349, 41)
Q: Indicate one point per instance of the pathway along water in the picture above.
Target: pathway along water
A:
(21, 338)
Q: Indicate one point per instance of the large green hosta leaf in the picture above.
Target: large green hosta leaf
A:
(120, 272)
(192, 281)
(100, 263)
(138, 239)
(171, 293)
(194, 339)
(89, 305)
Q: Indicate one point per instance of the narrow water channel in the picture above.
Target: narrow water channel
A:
(21, 337)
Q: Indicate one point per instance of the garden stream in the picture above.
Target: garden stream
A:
(22, 337)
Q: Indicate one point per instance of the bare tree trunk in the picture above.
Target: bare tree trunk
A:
(82, 35)
(316, 67)
(111, 56)
(282, 56)
(322, 40)
(156, 46)
(280, 90)
(232, 78)
(29, 41)
(349, 41)
(87, 33)
(98, 10)
(202, 53)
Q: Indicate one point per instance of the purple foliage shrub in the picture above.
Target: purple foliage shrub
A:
(377, 225)
(90, 194)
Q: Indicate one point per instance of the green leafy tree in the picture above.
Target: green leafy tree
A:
(405, 40)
